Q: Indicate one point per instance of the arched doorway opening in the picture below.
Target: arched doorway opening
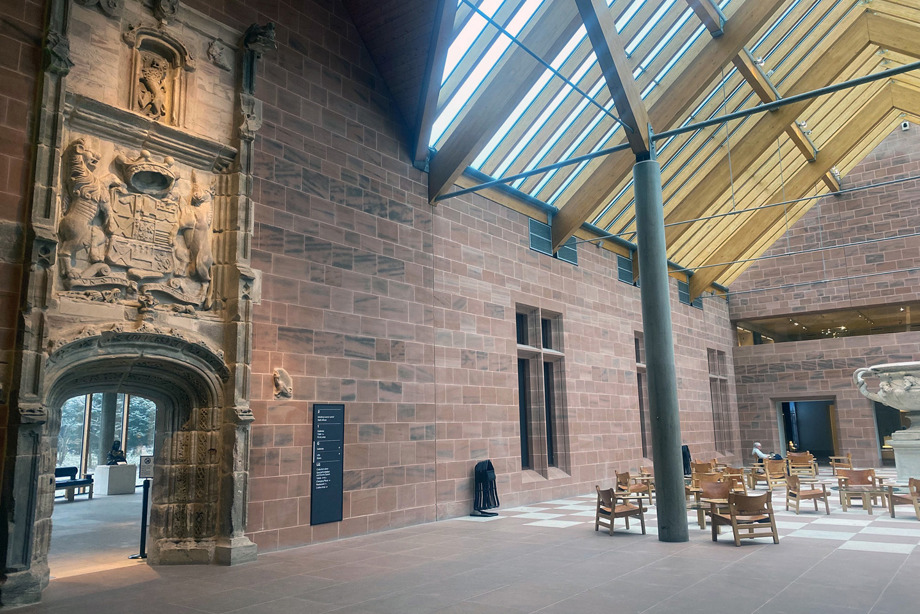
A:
(100, 528)
(201, 442)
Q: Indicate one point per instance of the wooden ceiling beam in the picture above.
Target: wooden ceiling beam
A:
(765, 131)
(548, 35)
(893, 34)
(803, 180)
(431, 81)
(611, 55)
(754, 75)
(710, 15)
(676, 99)
(764, 88)
(765, 177)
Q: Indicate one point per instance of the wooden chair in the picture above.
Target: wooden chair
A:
(609, 510)
(702, 467)
(749, 516)
(795, 492)
(774, 472)
(735, 476)
(713, 495)
(911, 498)
(801, 463)
(854, 477)
(625, 484)
(841, 462)
(755, 475)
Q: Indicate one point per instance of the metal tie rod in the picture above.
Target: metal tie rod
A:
(769, 106)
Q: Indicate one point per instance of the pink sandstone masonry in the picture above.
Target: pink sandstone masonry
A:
(823, 369)
(402, 311)
(405, 312)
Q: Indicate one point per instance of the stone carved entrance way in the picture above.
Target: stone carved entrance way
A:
(199, 486)
(139, 269)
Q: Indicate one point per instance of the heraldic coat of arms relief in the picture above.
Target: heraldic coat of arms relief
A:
(135, 236)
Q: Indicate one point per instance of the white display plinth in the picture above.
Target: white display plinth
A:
(115, 479)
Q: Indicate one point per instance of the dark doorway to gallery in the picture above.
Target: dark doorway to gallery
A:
(809, 425)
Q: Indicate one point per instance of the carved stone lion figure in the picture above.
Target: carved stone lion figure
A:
(152, 98)
(87, 210)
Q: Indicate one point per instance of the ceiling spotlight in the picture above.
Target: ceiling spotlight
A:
(901, 309)
(759, 61)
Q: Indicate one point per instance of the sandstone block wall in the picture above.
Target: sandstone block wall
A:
(401, 311)
(869, 274)
(880, 273)
(20, 60)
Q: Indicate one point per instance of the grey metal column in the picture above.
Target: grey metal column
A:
(659, 353)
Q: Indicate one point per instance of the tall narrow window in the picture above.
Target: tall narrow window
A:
(523, 405)
(541, 390)
(718, 384)
(549, 402)
(645, 421)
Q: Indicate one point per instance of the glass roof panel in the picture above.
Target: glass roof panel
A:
(554, 121)
(476, 77)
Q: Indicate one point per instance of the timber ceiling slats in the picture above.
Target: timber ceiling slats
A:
(680, 91)
(683, 63)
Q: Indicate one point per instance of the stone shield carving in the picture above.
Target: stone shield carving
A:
(137, 237)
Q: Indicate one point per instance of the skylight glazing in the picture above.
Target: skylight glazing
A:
(553, 122)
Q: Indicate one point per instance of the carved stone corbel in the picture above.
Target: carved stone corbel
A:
(284, 385)
(57, 53)
(112, 8)
(45, 246)
(251, 109)
(217, 53)
(257, 40)
(32, 413)
(165, 10)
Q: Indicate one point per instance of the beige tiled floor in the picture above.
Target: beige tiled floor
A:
(543, 558)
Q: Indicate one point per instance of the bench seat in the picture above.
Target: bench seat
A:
(65, 478)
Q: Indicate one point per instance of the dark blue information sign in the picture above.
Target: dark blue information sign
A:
(328, 444)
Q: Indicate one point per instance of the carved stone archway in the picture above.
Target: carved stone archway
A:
(139, 275)
(199, 487)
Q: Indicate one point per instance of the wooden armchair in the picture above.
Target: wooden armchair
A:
(609, 510)
(626, 484)
(911, 498)
(801, 463)
(795, 492)
(702, 467)
(774, 472)
(855, 477)
(735, 477)
(841, 462)
(713, 496)
(749, 516)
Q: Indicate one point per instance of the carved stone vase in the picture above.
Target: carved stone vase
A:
(899, 387)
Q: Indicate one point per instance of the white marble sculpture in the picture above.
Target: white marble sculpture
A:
(899, 387)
